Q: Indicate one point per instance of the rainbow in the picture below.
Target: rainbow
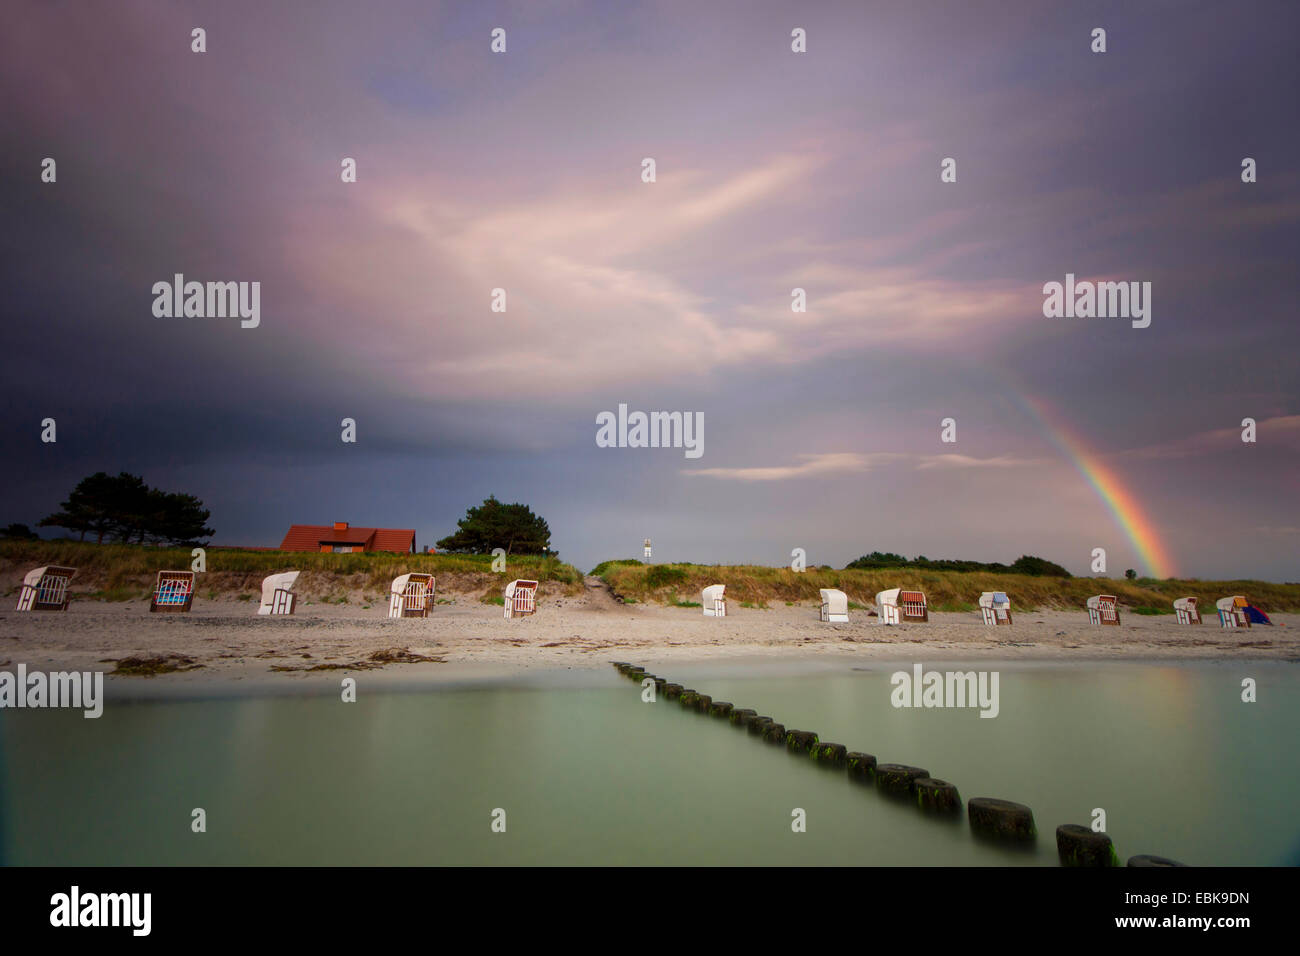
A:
(1123, 505)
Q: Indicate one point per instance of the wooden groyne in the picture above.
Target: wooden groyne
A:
(989, 818)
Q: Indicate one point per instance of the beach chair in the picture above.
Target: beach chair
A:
(277, 593)
(173, 593)
(1103, 609)
(887, 607)
(911, 606)
(835, 606)
(1232, 611)
(1186, 610)
(995, 607)
(521, 598)
(45, 589)
(410, 595)
(714, 600)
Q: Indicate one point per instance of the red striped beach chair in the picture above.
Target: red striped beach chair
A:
(1103, 609)
(1186, 610)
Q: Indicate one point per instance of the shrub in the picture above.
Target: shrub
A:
(600, 569)
(664, 575)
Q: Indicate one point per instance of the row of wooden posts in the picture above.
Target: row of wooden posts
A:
(1000, 820)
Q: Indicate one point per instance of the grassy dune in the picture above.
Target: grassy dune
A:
(121, 572)
(945, 590)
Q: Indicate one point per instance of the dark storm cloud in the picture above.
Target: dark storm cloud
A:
(775, 171)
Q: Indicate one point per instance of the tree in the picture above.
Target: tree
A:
(124, 507)
(1040, 567)
(1131, 574)
(1025, 564)
(19, 532)
(97, 505)
(879, 559)
(178, 519)
(492, 524)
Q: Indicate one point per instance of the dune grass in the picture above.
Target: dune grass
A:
(945, 590)
(121, 572)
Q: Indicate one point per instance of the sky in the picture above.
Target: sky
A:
(774, 170)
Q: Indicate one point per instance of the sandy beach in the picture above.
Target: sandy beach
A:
(224, 640)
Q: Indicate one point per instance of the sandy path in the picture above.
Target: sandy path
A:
(230, 641)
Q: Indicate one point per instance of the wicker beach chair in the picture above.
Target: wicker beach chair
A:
(897, 605)
(1232, 611)
(411, 595)
(714, 599)
(277, 593)
(45, 589)
(1186, 610)
(995, 607)
(912, 606)
(520, 598)
(835, 606)
(1103, 609)
(173, 593)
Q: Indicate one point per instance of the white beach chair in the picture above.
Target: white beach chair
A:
(410, 595)
(173, 593)
(887, 606)
(45, 589)
(520, 598)
(835, 606)
(1186, 610)
(277, 593)
(714, 599)
(995, 607)
(1232, 611)
(1103, 609)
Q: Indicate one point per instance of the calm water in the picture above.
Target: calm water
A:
(587, 773)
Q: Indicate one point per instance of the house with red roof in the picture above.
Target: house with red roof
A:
(342, 538)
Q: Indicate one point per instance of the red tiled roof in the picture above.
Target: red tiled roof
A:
(310, 537)
(393, 539)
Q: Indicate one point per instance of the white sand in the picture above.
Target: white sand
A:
(469, 638)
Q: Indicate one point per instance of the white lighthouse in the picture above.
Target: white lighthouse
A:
(647, 549)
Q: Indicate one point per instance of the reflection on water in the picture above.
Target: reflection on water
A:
(590, 774)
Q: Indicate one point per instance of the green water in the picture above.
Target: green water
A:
(588, 773)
